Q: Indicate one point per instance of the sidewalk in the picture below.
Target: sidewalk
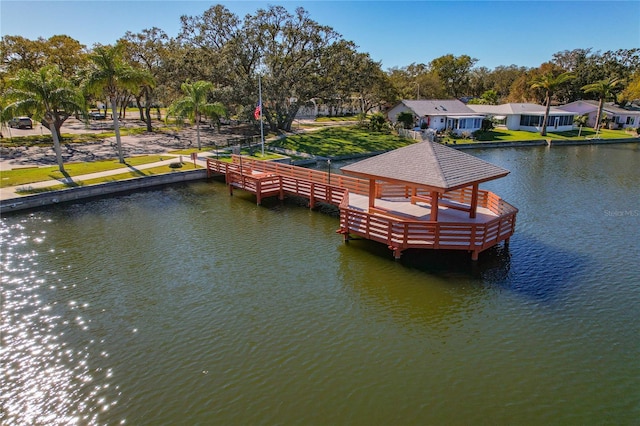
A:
(9, 193)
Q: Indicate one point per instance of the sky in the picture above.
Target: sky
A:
(396, 33)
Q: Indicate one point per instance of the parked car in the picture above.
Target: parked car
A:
(21, 123)
(97, 116)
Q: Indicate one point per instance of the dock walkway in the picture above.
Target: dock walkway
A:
(400, 219)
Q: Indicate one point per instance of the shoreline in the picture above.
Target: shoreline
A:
(35, 201)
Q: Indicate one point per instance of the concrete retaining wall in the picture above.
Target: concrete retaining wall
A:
(55, 197)
(517, 144)
(553, 142)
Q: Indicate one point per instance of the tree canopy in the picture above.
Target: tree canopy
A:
(299, 60)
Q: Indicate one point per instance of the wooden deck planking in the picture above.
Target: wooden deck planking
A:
(394, 219)
(420, 211)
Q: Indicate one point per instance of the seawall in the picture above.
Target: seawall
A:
(78, 193)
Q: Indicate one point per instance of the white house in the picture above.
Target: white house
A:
(529, 117)
(439, 115)
(619, 117)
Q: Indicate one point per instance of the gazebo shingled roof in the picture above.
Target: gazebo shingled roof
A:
(427, 164)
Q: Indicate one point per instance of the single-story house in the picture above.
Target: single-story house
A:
(439, 115)
(620, 118)
(528, 117)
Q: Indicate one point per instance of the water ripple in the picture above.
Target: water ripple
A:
(45, 379)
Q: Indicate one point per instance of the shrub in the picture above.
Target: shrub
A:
(176, 165)
(487, 124)
(378, 123)
(406, 118)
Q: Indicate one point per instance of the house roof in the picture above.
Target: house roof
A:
(515, 109)
(435, 107)
(427, 164)
(580, 107)
(592, 106)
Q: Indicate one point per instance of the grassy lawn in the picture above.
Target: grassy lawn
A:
(504, 135)
(257, 155)
(38, 174)
(113, 178)
(188, 151)
(339, 141)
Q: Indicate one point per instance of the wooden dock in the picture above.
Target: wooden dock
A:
(402, 216)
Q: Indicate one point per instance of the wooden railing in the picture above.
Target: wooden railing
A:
(403, 234)
(270, 178)
(355, 185)
(400, 234)
(278, 179)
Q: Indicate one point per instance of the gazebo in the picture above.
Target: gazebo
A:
(427, 195)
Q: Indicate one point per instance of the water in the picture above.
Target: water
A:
(183, 305)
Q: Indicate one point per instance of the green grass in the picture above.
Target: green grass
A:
(341, 141)
(113, 178)
(504, 135)
(256, 156)
(188, 151)
(19, 177)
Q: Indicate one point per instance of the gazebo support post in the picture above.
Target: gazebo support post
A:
(474, 201)
(372, 193)
(434, 206)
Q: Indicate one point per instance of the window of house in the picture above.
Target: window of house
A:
(565, 120)
(524, 120)
(530, 120)
(630, 120)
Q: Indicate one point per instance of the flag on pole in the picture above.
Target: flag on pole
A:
(258, 112)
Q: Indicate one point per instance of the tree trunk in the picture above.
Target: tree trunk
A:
(147, 110)
(198, 130)
(57, 149)
(140, 107)
(543, 131)
(599, 114)
(116, 128)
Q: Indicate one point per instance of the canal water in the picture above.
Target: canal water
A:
(183, 305)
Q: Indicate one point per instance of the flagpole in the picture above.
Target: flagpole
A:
(261, 123)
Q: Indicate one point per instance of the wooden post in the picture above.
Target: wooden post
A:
(397, 252)
(474, 201)
(434, 206)
(258, 192)
(372, 193)
(312, 199)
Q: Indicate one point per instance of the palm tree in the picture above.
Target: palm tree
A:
(194, 105)
(549, 83)
(605, 90)
(109, 75)
(47, 97)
